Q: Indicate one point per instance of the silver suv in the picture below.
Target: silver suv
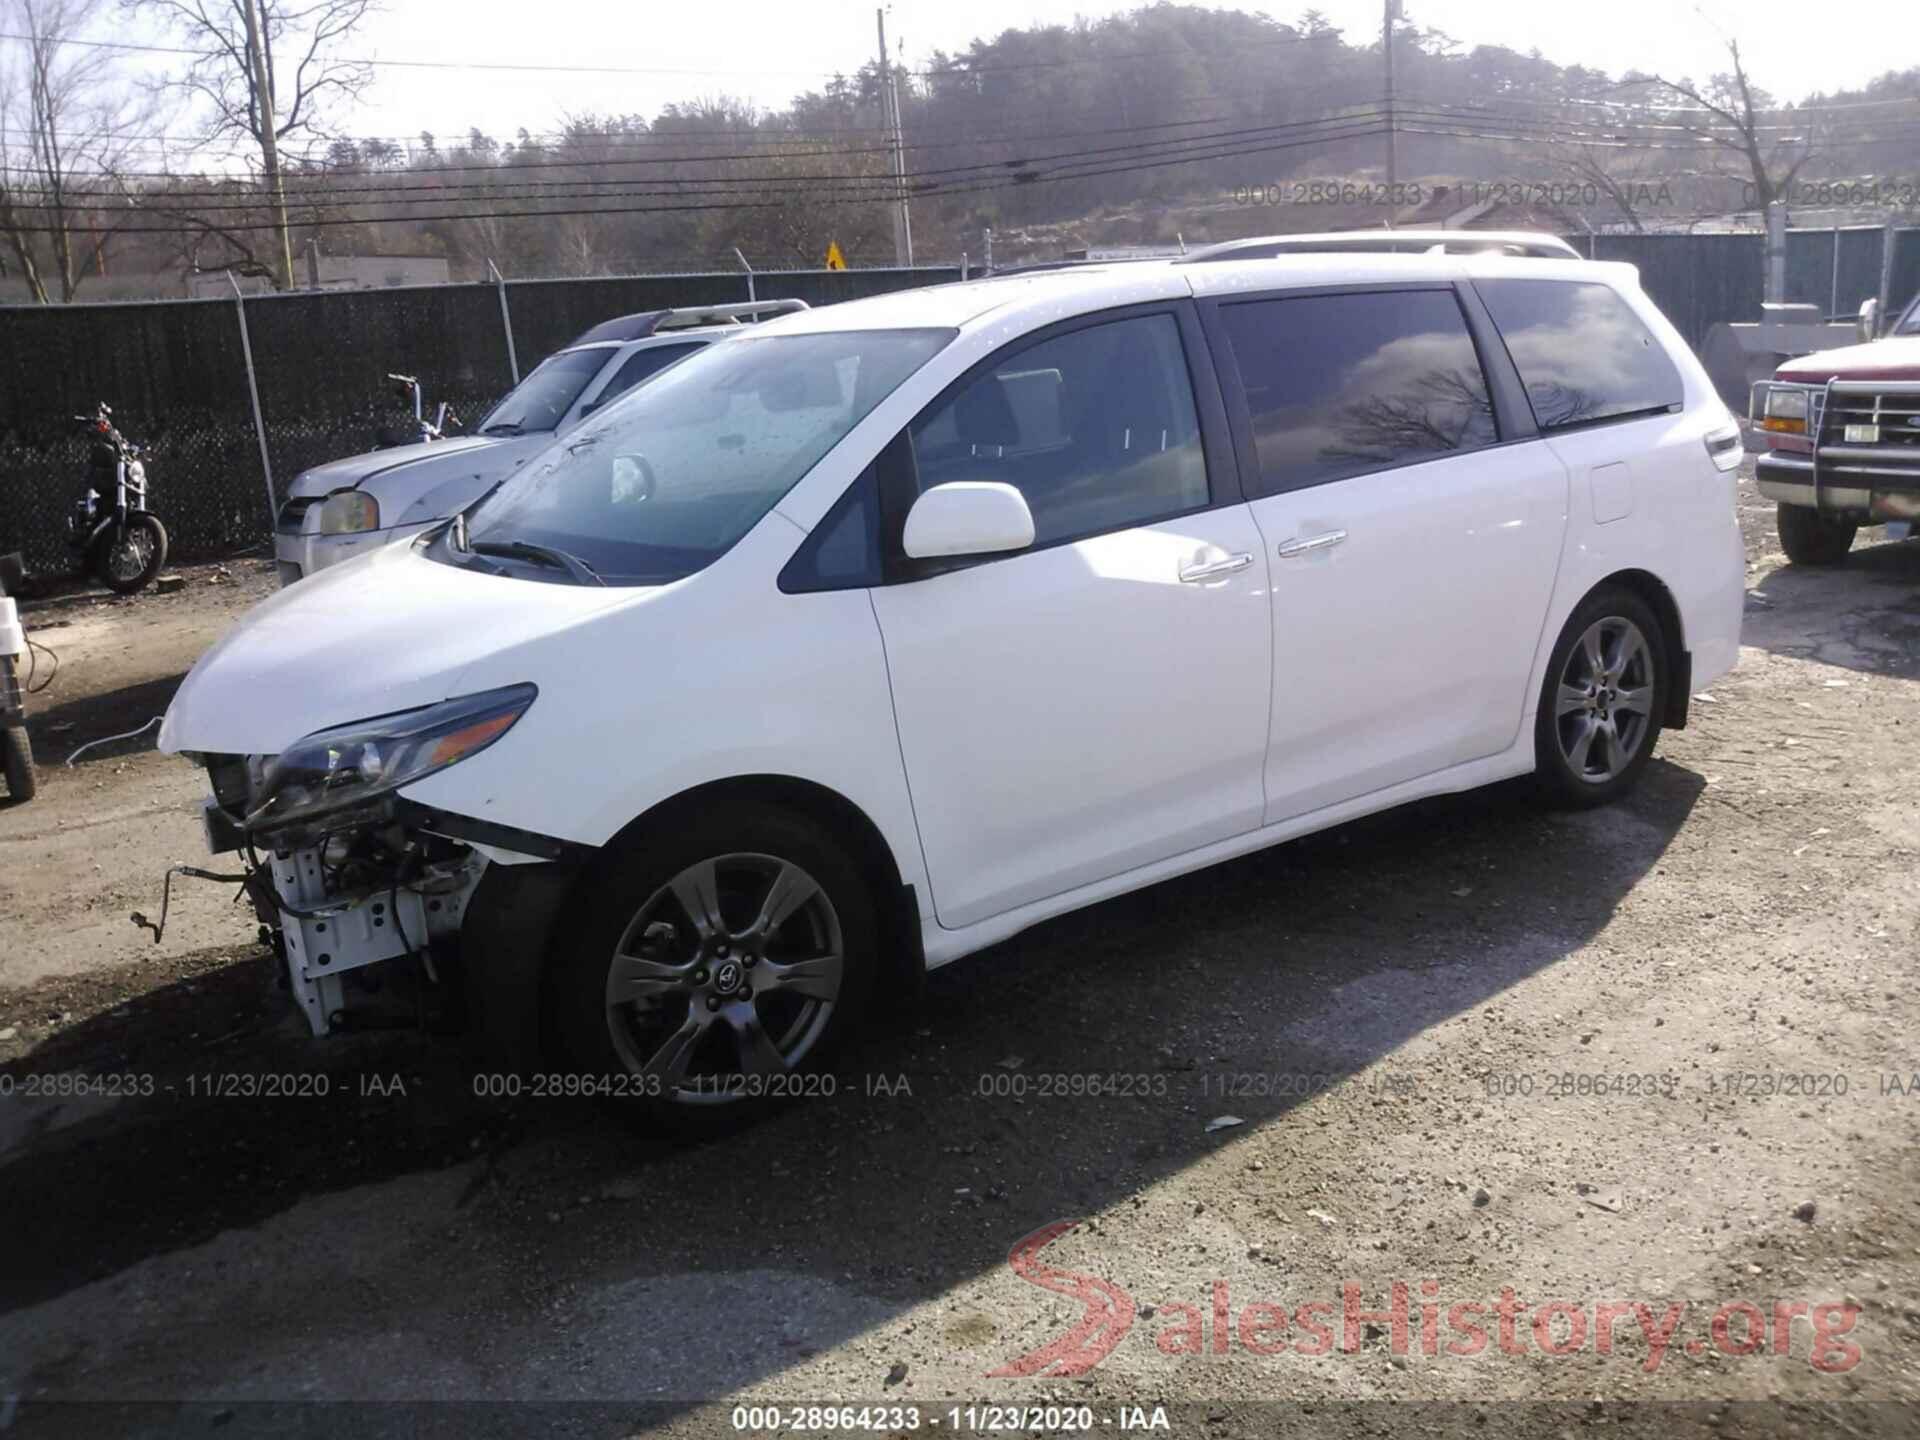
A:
(347, 507)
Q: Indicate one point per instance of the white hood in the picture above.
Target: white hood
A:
(354, 470)
(388, 632)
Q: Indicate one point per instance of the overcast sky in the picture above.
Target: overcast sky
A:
(769, 51)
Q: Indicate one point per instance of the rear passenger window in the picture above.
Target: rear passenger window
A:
(1339, 385)
(1095, 427)
(642, 365)
(1582, 353)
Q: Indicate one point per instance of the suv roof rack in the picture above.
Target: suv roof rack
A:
(1535, 243)
(687, 317)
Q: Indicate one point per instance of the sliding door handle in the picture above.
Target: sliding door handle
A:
(1204, 570)
(1306, 545)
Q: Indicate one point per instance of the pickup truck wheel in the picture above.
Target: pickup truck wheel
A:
(16, 760)
(720, 962)
(1810, 538)
(1600, 709)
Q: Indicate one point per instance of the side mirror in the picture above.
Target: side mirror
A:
(1869, 321)
(968, 517)
(633, 479)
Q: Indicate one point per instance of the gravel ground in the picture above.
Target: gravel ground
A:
(1659, 1054)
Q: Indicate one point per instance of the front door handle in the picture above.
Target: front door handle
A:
(1203, 570)
(1306, 545)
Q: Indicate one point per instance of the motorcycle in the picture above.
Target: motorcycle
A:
(118, 538)
(424, 430)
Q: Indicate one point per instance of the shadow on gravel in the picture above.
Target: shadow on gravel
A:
(1861, 615)
(939, 1148)
(60, 729)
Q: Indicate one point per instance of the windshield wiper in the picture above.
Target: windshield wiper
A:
(582, 572)
(504, 427)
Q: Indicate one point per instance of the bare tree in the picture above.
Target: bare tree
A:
(1608, 169)
(268, 73)
(67, 126)
(1728, 112)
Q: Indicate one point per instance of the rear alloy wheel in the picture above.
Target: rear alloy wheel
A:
(1811, 538)
(1605, 691)
(747, 955)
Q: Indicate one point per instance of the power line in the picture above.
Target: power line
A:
(931, 183)
(1360, 128)
(502, 176)
(960, 68)
(514, 163)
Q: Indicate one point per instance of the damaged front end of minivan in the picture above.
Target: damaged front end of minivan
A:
(362, 892)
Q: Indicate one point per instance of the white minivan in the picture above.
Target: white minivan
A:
(879, 633)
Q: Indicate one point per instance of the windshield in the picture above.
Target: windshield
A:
(666, 479)
(539, 401)
(1910, 322)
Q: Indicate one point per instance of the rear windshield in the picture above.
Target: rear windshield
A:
(1582, 353)
(663, 483)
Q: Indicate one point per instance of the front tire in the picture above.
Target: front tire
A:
(1811, 538)
(1600, 708)
(16, 763)
(126, 558)
(719, 963)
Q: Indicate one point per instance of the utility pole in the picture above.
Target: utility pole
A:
(890, 107)
(264, 112)
(1386, 47)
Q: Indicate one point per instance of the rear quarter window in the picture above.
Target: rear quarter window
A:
(1582, 353)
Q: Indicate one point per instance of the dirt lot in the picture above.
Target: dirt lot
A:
(1662, 1054)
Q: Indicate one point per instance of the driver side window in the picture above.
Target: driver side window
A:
(1096, 428)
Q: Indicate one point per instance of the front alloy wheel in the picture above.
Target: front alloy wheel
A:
(730, 970)
(719, 959)
(127, 557)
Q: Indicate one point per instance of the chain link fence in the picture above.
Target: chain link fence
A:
(175, 373)
(1710, 279)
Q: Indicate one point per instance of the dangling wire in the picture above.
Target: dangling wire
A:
(166, 894)
(109, 739)
(34, 650)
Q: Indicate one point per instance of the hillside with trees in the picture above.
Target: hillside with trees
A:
(1171, 120)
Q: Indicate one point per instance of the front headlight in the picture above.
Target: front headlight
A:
(349, 765)
(1785, 410)
(347, 512)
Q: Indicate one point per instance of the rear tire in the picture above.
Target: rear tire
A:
(699, 1023)
(16, 762)
(1810, 538)
(127, 560)
(1602, 701)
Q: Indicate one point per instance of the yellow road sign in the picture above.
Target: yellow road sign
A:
(835, 260)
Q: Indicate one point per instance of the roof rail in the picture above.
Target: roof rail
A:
(1414, 241)
(690, 315)
(641, 324)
